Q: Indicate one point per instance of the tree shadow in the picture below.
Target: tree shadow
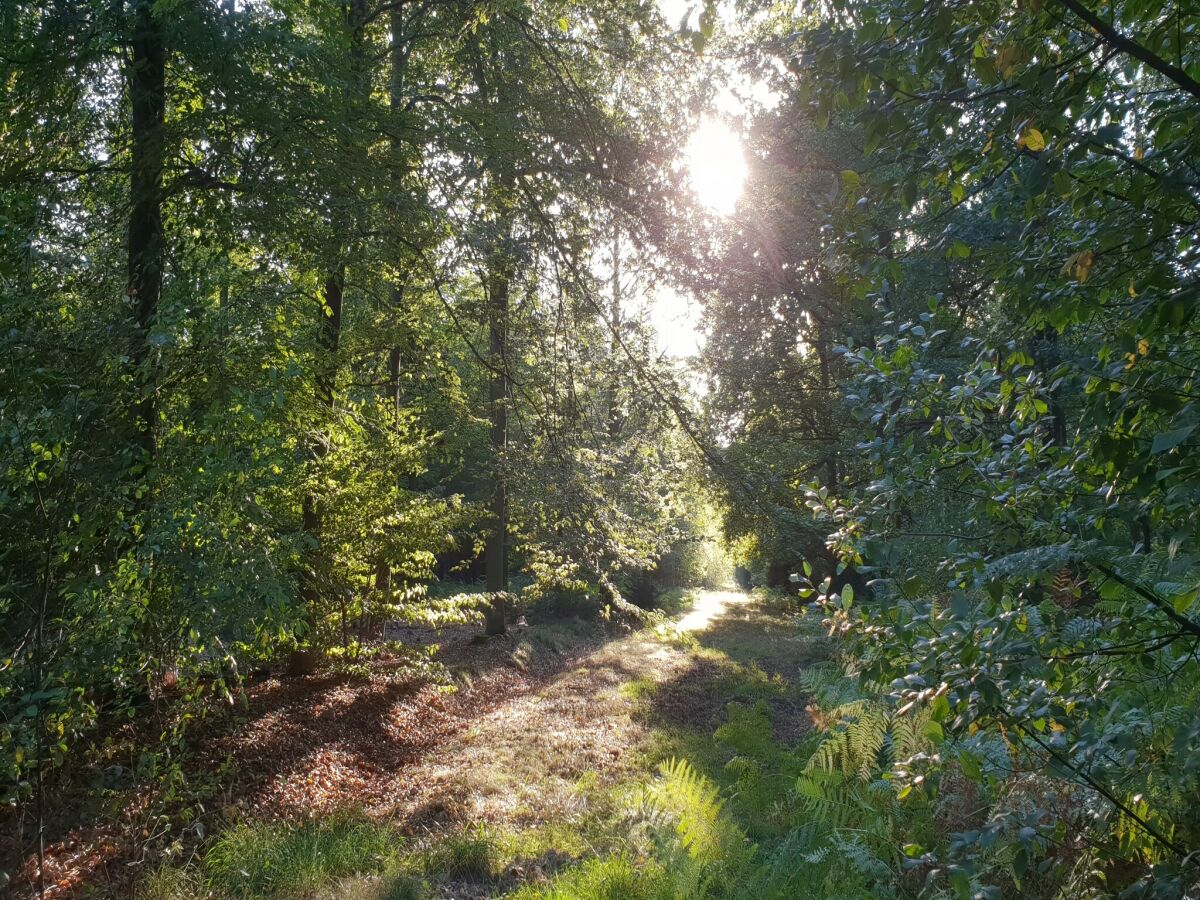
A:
(748, 655)
(303, 746)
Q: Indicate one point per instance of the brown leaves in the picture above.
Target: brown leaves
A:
(1078, 265)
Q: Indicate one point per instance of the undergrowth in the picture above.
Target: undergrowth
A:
(736, 813)
(733, 811)
(272, 860)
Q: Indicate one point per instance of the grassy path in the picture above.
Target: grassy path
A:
(546, 791)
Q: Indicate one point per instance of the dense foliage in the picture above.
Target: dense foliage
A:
(301, 303)
(307, 305)
(1004, 252)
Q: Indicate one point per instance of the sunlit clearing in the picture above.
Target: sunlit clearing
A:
(716, 165)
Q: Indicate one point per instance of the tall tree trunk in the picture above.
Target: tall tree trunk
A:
(1046, 355)
(398, 60)
(147, 96)
(496, 547)
(328, 338)
(614, 346)
(329, 328)
(821, 345)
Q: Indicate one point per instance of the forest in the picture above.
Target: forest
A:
(601, 449)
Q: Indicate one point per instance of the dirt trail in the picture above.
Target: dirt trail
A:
(549, 726)
(519, 764)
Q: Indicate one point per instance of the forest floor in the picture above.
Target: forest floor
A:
(386, 787)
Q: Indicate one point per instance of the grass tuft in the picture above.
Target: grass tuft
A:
(273, 860)
(471, 854)
(608, 878)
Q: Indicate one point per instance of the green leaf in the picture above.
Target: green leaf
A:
(960, 881)
(933, 730)
(970, 766)
(1169, 440)
(940, 708)
(847, 596)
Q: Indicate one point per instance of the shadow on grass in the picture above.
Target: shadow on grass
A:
(738, 712)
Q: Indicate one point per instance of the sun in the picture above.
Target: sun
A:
(716, 165)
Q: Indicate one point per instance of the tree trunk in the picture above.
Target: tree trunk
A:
(147, 96)
(329, 331)
(1046, 356)
(399, 61)
(328, 338)
(821, 346)
(496, 547)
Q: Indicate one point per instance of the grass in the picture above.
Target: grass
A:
(583, 829)
(675, 601)
(470, 854)
(273, 860)
(614, 877)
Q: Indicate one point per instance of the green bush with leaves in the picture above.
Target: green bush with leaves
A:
(1020, 241)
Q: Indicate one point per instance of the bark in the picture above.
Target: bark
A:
(147, 96)
(821, 346)
(1046, 355)
(399, 61)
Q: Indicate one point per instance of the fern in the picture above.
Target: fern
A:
(830, 686)
(1079, 631)
(1031, 564)
(706, 847)
(749, 731)
(831, 799)
(696, 802)
(854, 851)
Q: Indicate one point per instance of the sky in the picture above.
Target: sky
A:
(716, 170)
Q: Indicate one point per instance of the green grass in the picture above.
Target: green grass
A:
(470, 854)
(675, 601)
(273, 860)
(611, 846)
(613, 877)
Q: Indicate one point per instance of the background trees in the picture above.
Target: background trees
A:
(271, 274)
(303, 301)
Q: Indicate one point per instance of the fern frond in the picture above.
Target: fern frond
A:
(829, 685)
(709, 839)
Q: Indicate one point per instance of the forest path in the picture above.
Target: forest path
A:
(551, 777)
(536, 764)
(521, 764)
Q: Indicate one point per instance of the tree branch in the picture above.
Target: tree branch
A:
(1130, 47)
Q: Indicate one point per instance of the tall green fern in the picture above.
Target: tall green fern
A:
(706, 848)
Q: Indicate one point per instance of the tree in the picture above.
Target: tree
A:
(1025, 431)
